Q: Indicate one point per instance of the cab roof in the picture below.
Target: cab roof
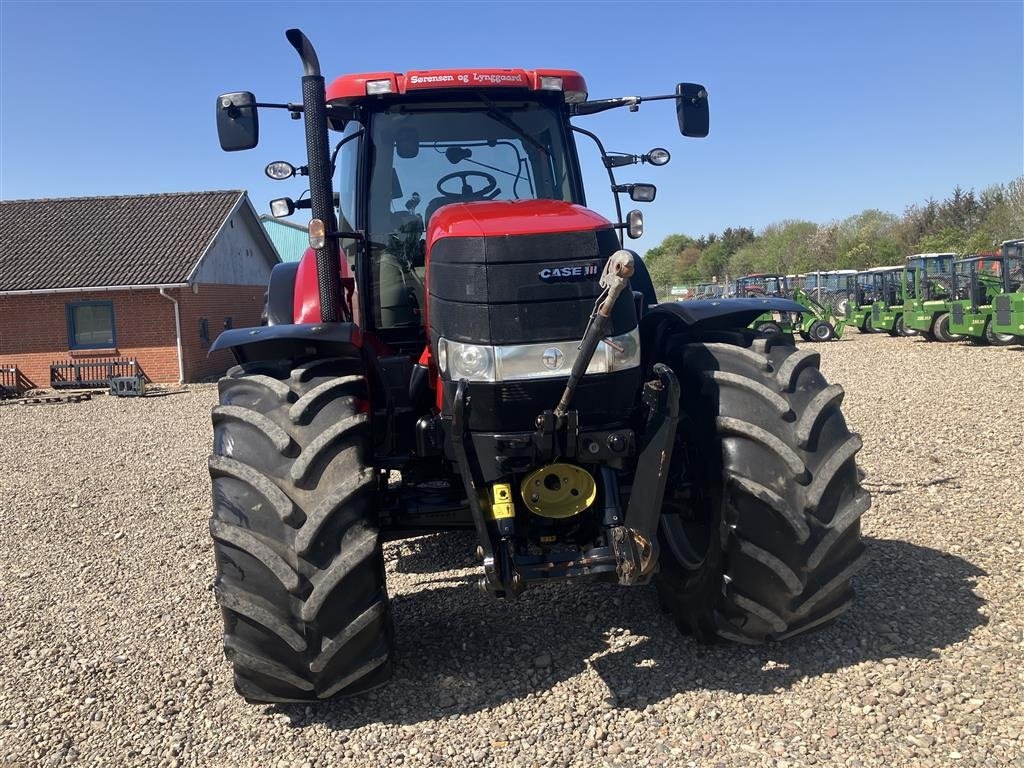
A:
(349, 88)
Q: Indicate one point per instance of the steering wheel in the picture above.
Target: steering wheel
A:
(468, 192)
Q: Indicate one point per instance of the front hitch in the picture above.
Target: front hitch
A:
(629, 550)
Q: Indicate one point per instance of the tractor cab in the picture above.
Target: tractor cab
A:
(976, 280)
(1008, 307)
(929, 276)
(884, 289)
(927, 289)
(865, 288)
(1012, 255)
(410, 154)
(758, 285)
(835, 289)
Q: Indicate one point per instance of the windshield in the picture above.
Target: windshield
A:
(933, 265)
(1015, 272)
(426, 156)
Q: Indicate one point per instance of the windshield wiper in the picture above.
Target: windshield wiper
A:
(496, 114)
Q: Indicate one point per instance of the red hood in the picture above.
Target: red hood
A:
(511, 217)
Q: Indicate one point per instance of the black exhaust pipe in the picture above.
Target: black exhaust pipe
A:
(321, 191)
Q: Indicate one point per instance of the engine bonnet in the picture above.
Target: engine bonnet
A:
(515, 272)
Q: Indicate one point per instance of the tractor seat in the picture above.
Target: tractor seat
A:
(434, 204)
(439, 202)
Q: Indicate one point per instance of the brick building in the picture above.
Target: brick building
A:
(151, 277)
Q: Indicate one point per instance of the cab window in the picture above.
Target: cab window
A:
(425, 156)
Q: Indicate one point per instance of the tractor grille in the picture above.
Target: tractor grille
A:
(958, 314)
(876, 313)
(1002, 307)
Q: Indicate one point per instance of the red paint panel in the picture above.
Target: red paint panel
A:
(307, 291)
(511, 217)
(349, 87)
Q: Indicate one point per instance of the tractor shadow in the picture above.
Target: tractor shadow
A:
(459, 651)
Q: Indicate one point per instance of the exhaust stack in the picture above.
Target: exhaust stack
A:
(321, 192)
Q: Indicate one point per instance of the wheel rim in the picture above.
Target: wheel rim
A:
(822, 333)
(686, 526)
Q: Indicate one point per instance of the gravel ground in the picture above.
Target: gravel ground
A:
(111, 652)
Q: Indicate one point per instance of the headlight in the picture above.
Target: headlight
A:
(515, 362)
(623, 351)
(442, 355)
(472, 362)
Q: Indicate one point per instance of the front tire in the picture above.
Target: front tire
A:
(761, 533)
(769, 328)
(300, 574)
(998, 339)
(941, 332)
(902, 329)
(821, 331)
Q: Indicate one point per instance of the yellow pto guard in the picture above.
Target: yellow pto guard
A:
(558, 490)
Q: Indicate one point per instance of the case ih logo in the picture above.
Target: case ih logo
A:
(569, 272)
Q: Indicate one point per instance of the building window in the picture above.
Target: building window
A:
(91, 325)
(204, 331)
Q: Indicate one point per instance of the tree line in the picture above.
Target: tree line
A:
(965, 222)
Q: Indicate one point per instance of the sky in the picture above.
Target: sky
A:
(818, 110)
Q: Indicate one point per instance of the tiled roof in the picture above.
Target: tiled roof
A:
(80, 242)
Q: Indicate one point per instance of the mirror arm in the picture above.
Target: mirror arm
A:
(593, 107)
(611, 175)
(601, 105)
(290, 107)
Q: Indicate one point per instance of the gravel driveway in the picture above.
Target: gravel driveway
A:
(111, 638)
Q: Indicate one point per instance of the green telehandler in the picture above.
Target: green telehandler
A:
(977, 281)
(817, 323)
(867, 289)
(887, 308)
(927, 290)
(1008, 307)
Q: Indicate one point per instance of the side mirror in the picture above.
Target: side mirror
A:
(238, 125)
(692, 110)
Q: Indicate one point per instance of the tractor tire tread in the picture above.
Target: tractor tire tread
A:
(830, 397)
(299, 413)
(322, 444)
(222, 466)
(277, 436)
(251, 544)
(300, 572)
(790, 499)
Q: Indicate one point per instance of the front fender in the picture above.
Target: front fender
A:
(290, 341)
(717, 314)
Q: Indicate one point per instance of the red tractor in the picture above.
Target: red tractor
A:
(467, 346)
